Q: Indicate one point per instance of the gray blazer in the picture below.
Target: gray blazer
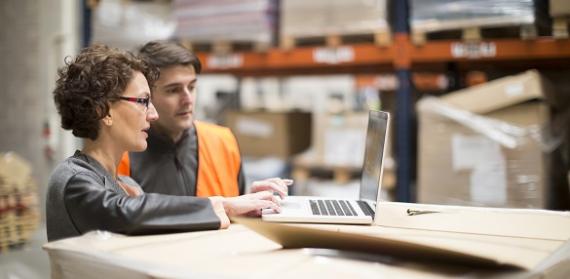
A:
(82, 196)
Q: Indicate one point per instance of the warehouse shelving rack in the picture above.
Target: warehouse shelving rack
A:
(401, 57)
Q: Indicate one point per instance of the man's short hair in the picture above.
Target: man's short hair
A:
(163, 54)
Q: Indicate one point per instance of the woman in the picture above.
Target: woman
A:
(103, 96)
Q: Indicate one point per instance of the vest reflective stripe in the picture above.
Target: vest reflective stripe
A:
(218, 161)
(124, 167)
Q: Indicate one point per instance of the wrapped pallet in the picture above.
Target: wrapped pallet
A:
(130, 24)
(19, 214)
(337, 17)
(440, 15)
(491, 145)
(208, 21)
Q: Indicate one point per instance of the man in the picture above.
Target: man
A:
(187, 157)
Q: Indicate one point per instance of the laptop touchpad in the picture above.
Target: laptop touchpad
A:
(291, 204)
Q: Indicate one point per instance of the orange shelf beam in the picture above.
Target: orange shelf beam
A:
(360, 56)
(508, 49)
(299, 58)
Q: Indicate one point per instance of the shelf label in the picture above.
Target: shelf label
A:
(473, 50)
(333, 55)
(224, 61)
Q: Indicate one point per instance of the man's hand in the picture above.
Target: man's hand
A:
(251, 204)
(275, 185)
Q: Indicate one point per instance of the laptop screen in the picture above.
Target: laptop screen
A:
(373, 155)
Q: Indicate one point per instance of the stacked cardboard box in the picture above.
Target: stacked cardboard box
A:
(338, 143)
(489, 145)
(278, 134)
(559, 8)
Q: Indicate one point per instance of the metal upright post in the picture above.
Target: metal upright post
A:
(85, 23)
(404, 104)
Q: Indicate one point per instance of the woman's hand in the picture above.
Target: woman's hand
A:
(276, 185)
(251, 204)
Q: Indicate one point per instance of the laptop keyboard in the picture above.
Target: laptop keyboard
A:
(338, 208)
(365, 208)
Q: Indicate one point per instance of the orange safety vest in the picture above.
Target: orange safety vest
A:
(218, 161)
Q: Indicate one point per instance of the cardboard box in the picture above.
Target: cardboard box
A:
(559, 8)
(341, 139)
(453, 242)
(301, 18)
(279, 134)
(338, 141)
(483, 145)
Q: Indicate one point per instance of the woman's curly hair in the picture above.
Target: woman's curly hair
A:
(87, 85)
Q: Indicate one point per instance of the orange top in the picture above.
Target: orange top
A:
(218, 161)
(124, 167)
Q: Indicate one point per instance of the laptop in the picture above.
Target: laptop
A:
(308, 209)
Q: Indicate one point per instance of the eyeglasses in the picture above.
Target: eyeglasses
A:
(143, 101)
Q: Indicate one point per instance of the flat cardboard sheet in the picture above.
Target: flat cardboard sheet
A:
(234, 253)
(433, 249)
(299, 236)
(517, 223)
(521, 238)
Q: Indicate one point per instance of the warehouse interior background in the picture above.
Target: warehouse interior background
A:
(479, 93)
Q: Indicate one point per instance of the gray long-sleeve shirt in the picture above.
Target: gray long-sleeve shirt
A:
(82, 196)
(170, 168)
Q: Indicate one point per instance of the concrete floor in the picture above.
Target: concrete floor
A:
(30, 262)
